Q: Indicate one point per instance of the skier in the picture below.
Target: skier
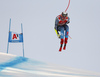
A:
(62, 29)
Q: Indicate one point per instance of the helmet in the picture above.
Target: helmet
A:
(64, 14)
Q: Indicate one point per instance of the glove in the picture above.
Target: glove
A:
(67, 22)
(58, 36)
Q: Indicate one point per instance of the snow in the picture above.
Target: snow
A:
(17, 66)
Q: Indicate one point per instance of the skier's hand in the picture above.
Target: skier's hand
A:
(68, 22)
(58, 36)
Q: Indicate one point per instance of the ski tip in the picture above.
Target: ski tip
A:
(64, 48)
(60, 49)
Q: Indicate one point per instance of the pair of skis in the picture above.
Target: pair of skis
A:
(61, 44)
(64, 48)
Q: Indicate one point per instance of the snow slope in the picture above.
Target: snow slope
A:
(16, 66)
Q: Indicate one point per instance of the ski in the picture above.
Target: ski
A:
(65, 42)
(64, 48)
(61, 44)
(60, 49)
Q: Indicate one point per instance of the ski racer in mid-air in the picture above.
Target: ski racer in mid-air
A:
(62, 29)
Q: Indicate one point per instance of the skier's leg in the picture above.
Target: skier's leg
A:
(65, 43)
(66, 36)
(61, 31)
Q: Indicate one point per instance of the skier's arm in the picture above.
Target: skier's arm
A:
(68, 21)
(56, 24)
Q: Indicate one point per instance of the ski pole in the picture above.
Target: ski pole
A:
(69, 37)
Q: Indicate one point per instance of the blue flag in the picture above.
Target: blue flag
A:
(15, 37)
